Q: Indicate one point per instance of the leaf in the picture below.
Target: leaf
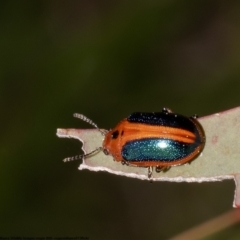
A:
(219, 160)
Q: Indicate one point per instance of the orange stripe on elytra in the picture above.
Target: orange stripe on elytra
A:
(134, 131)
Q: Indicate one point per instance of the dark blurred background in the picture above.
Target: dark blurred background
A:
(106, 59)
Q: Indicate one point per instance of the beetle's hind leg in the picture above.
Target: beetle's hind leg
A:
(158, 169)
(162, 169)
(150, 171)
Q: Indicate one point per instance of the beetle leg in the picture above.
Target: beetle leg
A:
(166, 110)
(158, 169)
(125, 163)
(150, 170)
(195, 116)
(162, 169)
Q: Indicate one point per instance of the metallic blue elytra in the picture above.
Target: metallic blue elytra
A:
(159, 150)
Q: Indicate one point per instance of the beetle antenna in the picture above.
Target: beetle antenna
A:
(88, 120)
(80, 157)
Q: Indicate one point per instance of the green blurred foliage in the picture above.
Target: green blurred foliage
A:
(106, 59)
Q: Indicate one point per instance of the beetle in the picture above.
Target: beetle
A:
(158, 139)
